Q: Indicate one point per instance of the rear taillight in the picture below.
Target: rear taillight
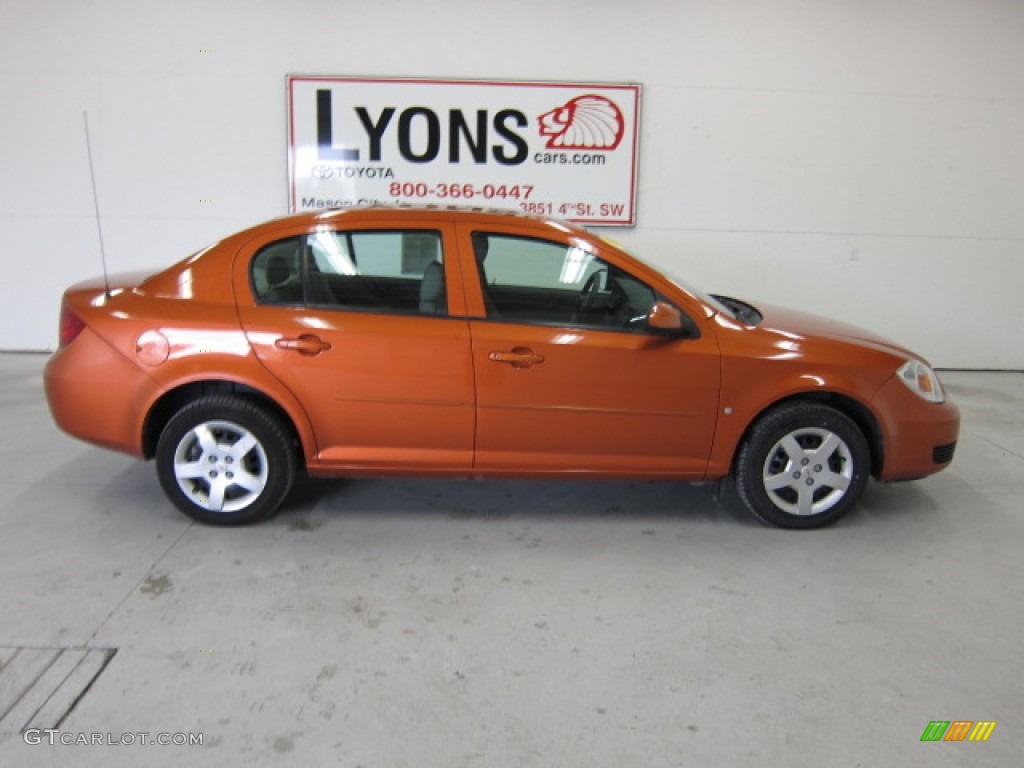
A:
(70, 325)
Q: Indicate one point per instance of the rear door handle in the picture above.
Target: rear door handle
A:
(519, 357)
(307, 344)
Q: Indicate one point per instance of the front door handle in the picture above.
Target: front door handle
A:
(519, 357)
(307, 344)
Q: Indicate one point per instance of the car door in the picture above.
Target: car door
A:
(358, 323)
(569, 376)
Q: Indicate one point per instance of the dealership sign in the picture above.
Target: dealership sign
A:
(565, 150)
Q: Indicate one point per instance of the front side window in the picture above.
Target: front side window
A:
(539, 281)
(385, 271)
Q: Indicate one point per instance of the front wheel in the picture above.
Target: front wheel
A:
(803, 465)
(225, 460)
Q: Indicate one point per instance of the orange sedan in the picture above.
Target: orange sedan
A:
(439, 342)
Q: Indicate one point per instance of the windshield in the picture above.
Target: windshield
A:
(680, 283)
(713, 301)
(734, 309)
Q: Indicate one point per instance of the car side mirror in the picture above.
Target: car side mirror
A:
(666, 320)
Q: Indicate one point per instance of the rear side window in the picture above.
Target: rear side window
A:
(399, 271)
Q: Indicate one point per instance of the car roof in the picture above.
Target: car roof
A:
(384, 213)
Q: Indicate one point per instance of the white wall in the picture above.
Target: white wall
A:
(860, 158)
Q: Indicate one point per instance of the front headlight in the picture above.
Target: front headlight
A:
(922, 381)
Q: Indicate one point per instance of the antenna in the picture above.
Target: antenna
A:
(96, 204)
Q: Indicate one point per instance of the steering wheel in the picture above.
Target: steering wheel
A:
(588, 295)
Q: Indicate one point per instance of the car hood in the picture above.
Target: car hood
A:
(803, 324)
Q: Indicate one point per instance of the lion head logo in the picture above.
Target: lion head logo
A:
(586, 122)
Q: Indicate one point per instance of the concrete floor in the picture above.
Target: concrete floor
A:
(381, 623)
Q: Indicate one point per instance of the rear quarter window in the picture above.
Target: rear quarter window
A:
(276, 273)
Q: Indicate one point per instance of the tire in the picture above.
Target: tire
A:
(802, 466)
(226, 460)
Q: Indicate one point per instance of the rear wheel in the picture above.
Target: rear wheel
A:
(804, 465)
(225, 460)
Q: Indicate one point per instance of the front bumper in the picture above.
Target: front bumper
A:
(919, 437)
